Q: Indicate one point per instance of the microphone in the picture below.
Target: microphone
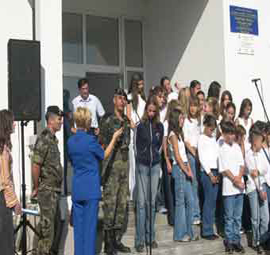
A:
(255, 80)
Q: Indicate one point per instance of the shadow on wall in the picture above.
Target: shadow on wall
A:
(169, 28)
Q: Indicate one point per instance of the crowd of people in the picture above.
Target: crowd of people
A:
(183, 150)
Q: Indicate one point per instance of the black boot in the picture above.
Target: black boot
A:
(118, 245)
(108, 243)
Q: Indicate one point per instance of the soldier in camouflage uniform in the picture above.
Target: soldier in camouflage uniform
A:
(115, 175)
(47, 175)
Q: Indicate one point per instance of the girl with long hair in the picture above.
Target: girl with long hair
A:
(149, 138)
(192, 132)
(212, 108)
(244, 118)
(135, 110)
(167, 165)
(226, 97)
(184, 95)
(214, 90)
(183, 178)
(8, 198)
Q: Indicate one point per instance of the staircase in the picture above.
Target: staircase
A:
(164, 238)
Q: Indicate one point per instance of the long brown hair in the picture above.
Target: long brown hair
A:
(194, 101)
(173, 104)
(151, 101)
(134, 90)
(222, 99)
(245, 103)
(184, 95)
(213, 103)
(6, 129)
(174, 124)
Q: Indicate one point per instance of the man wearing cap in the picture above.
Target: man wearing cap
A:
(47, 175)
(115, 176)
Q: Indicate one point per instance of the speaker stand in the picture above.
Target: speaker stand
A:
(24, 222)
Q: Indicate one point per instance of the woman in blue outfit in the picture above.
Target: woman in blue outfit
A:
(85, 153)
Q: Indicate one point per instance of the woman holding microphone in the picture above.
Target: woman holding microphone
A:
(85, 153)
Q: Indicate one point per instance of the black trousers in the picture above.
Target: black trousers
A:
(168, 187)
(6, 228)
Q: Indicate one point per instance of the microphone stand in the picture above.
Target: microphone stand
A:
(256, 85)
(150, 186)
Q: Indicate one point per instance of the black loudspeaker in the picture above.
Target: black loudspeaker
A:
(24, 89)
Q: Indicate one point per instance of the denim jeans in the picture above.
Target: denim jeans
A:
(259, 217)
(233, 208)
(196, 205)
(142, 202)
(210, 192)
(183, 205)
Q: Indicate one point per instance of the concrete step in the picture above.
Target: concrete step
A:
(201, 247)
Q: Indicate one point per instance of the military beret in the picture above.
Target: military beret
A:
(55, 109)
(120, 92)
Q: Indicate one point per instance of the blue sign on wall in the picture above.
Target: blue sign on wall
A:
(244, 20)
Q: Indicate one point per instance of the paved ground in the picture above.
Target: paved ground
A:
(164, 236)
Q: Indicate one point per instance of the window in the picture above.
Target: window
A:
(72, 38)
(102, 40)
(106, 45)
(133, 42)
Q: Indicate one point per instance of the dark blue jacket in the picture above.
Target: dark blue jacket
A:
(143, 143)
(85, 153)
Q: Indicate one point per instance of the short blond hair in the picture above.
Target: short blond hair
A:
(82, 118)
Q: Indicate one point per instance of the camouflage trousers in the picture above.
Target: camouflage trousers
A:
(50, 225)
(115, 196)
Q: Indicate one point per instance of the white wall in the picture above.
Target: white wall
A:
(16, 20)
(185, 41)
(241, 69)
(16, 24)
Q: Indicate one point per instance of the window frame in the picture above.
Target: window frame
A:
(80, 70)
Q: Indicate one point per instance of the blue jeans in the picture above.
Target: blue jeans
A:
(183, 205)
(142, 202)
(259, 217)
(210, 192)
(233, 208)
(196, 204)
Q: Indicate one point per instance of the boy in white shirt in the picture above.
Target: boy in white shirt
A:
(256, 188)
(231, 166)
(208, 155)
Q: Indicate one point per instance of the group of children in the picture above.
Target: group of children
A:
(206, 154)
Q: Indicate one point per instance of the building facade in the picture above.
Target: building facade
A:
(107, 41)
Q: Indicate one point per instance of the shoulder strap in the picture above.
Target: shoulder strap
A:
(266, 155)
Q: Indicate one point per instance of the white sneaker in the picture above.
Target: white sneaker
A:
(163, 210)
(196, 222)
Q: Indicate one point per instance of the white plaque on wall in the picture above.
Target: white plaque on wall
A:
(246, 44)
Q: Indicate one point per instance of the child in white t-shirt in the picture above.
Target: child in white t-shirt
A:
(231, 166)
(208, 155)
(256, 188)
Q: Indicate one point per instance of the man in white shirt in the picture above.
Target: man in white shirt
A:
(231, 166)
(85, 99)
